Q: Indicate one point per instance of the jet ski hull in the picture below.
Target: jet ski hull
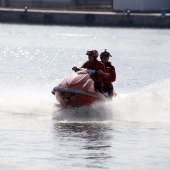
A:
(77, 91)
(76, 98)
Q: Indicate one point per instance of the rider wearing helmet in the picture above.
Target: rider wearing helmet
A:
(96, 65)
(111, 77)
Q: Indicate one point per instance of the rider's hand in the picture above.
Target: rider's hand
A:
(100, 72)
(74, 68)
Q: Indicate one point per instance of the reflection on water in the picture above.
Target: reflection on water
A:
(95, 112)
(90, 141)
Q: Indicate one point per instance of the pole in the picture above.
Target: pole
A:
(112, 5)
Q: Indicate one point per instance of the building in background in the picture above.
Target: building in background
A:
(36, 3)
(141, 5)
(107, 5)
(55, 3)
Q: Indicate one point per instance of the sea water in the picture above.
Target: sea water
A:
(130, 132)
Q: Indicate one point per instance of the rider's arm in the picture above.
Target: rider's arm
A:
(84, 65)
(103, 69)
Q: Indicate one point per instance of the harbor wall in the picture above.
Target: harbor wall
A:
(84, 18)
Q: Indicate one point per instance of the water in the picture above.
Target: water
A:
(130, 132)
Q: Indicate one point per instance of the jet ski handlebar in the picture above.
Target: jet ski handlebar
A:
(90, 71)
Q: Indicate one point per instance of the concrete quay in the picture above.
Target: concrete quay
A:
(84, 18)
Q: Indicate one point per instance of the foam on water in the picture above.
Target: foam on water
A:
(26, 100)
(150, 104)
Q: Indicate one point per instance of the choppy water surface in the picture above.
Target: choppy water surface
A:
(130, 132)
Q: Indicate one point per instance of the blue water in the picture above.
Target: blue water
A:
(130, 132)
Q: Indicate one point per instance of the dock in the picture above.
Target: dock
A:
(84, 18)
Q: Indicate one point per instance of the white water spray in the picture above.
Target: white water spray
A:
(150, 104)
(26, 100)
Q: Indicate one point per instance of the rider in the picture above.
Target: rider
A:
(111, 77)
(96, 65)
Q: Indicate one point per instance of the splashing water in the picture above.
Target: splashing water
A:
(26, 101)
(150, 104)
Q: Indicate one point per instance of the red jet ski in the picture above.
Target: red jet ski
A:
(78, 90)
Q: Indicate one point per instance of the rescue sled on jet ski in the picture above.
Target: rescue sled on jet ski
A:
(78, 90)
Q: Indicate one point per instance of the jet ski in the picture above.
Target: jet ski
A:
(78, 90)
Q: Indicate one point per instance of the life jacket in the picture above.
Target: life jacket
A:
(97, 65)
(108, 66)
(111, 70)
